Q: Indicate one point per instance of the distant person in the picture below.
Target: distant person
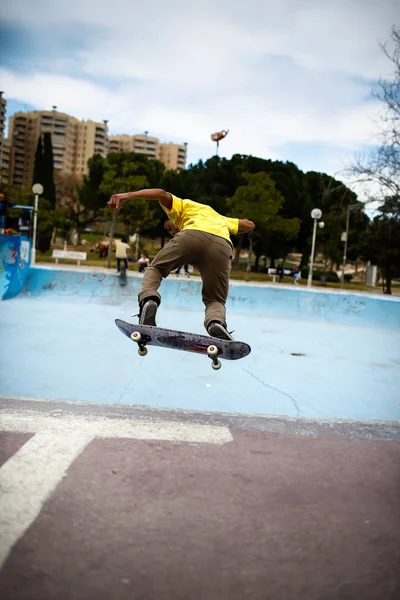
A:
(186, 269)
(296, 275)
(200, 236)
(122, 248)
(103, 249)
(4, 205)
(143, 262)
(279, 272)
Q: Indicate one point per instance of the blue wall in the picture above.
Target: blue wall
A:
(15, 257)
(250, 299)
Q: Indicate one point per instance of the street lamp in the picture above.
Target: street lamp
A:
(346, 234)
(316, 214)
(37, 189)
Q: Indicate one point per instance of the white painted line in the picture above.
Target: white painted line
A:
(28, 478)
(26, 421)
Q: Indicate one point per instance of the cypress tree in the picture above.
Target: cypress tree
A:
(38, 166)
(48, 171)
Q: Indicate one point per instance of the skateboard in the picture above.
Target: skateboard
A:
(147, 335)
(122, 277)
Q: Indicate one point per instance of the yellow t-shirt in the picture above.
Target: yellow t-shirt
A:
(121, 249)
(187, 214)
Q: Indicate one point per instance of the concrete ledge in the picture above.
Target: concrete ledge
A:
(372, 430)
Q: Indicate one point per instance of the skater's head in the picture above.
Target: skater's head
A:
(171, 228)
(124, 240)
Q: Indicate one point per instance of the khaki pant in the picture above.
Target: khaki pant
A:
(210, 254)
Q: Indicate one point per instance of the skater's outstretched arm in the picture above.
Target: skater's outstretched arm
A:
(162, 196)
(245, 225)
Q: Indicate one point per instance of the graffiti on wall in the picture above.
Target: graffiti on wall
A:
(15, 254)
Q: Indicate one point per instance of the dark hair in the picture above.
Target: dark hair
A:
(124, 240)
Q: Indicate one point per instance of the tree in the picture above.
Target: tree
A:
(380, 168)
(333, 198)
(72, 215)
(261, 202)
(127, 171)
(43, 169)
(38, 164)
(49, 191)
(90, 194)
(381, 243)
(43, 173)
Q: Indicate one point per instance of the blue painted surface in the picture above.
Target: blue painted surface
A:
(15, 256)
(61, 343)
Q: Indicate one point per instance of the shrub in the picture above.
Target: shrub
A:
(332, 277)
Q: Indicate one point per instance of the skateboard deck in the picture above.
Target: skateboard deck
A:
(146, 335)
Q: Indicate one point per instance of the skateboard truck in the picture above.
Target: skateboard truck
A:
(213, 352)
(136, 337)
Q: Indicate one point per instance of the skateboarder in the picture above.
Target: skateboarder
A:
(201, 237)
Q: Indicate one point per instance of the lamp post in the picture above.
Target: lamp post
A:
(37, 189)
(346, 235)
(316, 214)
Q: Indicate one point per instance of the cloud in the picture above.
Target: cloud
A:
(273, 72)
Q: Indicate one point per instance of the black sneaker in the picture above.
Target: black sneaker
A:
(218, 330)
(147, 315)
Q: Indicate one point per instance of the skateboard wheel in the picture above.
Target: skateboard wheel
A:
(212, 350)
(142, 351)
(216, 365)
(135, 336)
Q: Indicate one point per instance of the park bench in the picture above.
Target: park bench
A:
(69, 255)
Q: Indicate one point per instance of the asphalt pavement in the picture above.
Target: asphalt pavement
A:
(101, 502)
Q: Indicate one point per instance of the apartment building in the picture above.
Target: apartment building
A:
(172, 155)
(91, 139)
(74, 142)
(5, 149)
(120, 143)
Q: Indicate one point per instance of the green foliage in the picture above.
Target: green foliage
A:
(43, 171)
(260, 201)
(318, 275)
(381, 245)
(125, 172)
(74, 216)
(38, 164)
(90, 195)
(45, 224)
(276, 195)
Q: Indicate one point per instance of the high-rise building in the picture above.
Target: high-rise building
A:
(120, 143)
(73, 141)
(91, 139)
(172, 155)
(3, 104)
(4, 144)
(144, 144)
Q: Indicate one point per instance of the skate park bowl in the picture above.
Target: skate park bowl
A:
(315, 354)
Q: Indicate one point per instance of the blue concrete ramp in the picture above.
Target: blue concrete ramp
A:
(314, 354)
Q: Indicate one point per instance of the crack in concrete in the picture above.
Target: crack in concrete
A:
(296, 406)
(130, 381)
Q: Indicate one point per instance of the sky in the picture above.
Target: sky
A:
(290, 79)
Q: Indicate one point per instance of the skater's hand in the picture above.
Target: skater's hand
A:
(116, 200)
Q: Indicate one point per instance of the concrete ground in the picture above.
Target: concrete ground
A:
(116, 502)
(276, 477)
(59, 348)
